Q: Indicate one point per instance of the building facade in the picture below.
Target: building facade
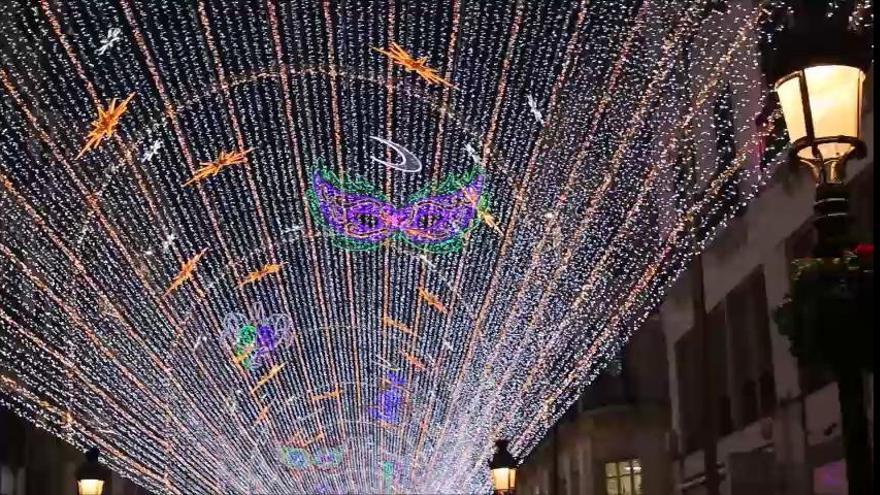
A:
(35, 462)
(777, 423)
(613, 439)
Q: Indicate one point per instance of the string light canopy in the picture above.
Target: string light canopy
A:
(216, 273)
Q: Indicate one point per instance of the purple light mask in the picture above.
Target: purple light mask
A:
(434, 223)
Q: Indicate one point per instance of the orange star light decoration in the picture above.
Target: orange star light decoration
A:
(210, 169)
(432, 300)
(329, 395)
(483, 214)
(418, 65)
(489, 220)
(417, 364)
(269, 375)
(264, 413)
(257, 275)
(391, 322)
(105, 124)
(297, 441)
(185, 273)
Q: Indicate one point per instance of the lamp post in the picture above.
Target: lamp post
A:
(818, 69)
(91, 476)
(503, 467)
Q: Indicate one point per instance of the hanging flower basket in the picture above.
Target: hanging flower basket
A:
(829, 315)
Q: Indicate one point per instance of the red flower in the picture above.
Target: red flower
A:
(864, 250)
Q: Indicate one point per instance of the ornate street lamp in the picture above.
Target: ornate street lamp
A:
(91, 476)
(822, 103)
(818, 68)
(503, 467)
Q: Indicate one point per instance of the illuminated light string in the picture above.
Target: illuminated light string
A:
(472, 154)
(246, 80)
(599, 265)
(419, 66)
(577, 134)
(570, 183)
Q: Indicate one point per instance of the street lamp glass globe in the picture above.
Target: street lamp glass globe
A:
(503, 479)
(822, 107)
(90, 487)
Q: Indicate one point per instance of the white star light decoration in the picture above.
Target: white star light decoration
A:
(122, 344)
(151, 151)
(533, 107)
(114, 35)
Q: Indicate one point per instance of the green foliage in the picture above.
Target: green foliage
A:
(829, 316)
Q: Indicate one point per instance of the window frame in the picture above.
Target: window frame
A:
(619, 476)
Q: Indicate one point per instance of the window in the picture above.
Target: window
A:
(623, 477)
(750, 350)
(683, 179)
(690, 403)
(748, 402)
(776, 137)
(575, 475)
(690, 363)
(716, 326)
(609, 388)
(646, 370)
(713, 6)
(725, 140)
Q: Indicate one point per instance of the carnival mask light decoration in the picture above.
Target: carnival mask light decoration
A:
(300, 459)
(296, 458)
(360, 217)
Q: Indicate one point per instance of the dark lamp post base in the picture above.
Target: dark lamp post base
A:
(831, 220)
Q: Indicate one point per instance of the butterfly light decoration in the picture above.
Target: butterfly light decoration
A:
(437, 219)
(253, 339)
